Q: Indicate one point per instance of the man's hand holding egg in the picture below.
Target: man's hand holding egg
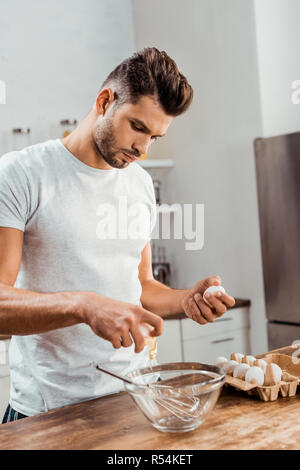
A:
(202, 305)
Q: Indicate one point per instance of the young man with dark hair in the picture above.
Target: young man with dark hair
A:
(69, 294)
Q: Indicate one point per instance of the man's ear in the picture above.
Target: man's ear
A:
(104, 99)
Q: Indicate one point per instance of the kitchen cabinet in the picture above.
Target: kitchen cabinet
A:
(186, 340)
(169, 344)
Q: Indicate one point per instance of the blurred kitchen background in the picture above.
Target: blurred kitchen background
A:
(241, 57)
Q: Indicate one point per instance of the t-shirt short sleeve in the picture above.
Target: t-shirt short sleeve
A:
(15, 192)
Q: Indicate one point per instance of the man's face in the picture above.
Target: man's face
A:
(129, 131)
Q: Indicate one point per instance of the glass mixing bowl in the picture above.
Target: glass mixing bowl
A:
(178, 396)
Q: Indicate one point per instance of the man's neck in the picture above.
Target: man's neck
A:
(82, 145)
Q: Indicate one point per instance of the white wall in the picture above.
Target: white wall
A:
(54, 55)
(214, 44)
(278, 46)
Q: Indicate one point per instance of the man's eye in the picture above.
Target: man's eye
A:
(136, 128)
(140, 129)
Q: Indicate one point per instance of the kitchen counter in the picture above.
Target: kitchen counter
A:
(114, 423)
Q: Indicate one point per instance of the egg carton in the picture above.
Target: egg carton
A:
(287, 387)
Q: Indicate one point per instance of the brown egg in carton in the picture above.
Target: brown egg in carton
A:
(271, 389)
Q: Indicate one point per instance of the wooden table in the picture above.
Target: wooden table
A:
(114, 423)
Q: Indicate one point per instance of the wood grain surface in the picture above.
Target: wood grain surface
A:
(114, 423)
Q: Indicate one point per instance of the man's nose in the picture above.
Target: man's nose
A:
(141, 148)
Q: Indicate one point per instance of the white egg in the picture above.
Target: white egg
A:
(221, 365)
(220, 360)
(212, 290)
(277, 371)
(230, 365)
(240, 356)
(257, 373)
(237, 357)
(262, 363)
(240, 370)
(251, 359)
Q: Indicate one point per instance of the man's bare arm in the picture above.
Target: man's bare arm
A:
(161, 299)
(165, 301)
(24, 312)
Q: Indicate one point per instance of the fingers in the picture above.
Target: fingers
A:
(131, 330)
(212, 281)
(216, 304)
(227, 299)
(195, 313)
(126, 340)
(201, 286)
(153, 320)
(204, 308)
(138, 338)
(198, 310)
(116, 342)
(218, 299)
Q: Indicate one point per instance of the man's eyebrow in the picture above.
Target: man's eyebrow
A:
(145, 128)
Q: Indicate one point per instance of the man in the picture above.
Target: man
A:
(70, 296)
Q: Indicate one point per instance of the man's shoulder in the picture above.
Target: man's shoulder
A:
(29, 156)
(137, 170)
(142, 181)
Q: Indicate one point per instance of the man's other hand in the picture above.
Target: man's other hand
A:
(197, 309)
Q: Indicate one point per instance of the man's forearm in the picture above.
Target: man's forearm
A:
(24, 312)
(161, 299)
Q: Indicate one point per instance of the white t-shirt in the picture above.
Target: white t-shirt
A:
(79, 235)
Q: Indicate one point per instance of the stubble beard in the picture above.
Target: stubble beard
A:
(105, 143)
